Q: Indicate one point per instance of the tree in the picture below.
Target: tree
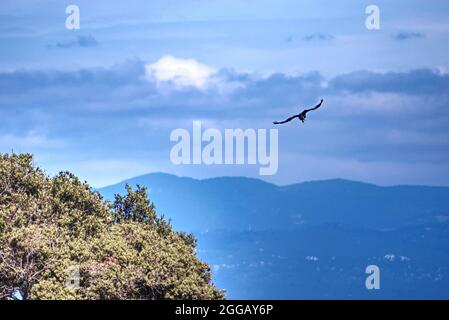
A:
(124, 250)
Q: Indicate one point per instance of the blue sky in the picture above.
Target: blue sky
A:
(93, 100)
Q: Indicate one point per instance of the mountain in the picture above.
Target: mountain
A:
(312, 239)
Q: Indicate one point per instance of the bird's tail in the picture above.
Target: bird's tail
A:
(275, 122)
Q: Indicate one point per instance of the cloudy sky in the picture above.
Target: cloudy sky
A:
(101, 101)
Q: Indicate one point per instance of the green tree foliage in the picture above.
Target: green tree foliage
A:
(123, 250)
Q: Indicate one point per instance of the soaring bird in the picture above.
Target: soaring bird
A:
(301, 116)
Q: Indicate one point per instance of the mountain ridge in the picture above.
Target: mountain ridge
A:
(305, 182)
(241, 202)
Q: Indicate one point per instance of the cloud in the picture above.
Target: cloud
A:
(170, 73)
(182, 73)
(18, 81)
(401, 36)
(414, 82)
(81, 41)
(194, 84)
(319, 37)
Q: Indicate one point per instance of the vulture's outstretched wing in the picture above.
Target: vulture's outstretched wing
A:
(314, 108)
(285, 121)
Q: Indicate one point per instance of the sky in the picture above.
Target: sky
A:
(101, 101)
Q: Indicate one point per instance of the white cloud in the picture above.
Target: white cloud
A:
(181, 72)
(175, 73)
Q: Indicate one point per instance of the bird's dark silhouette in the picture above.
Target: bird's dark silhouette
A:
(301, 116)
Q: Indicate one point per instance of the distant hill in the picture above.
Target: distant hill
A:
(312, 239)
(249, 204)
